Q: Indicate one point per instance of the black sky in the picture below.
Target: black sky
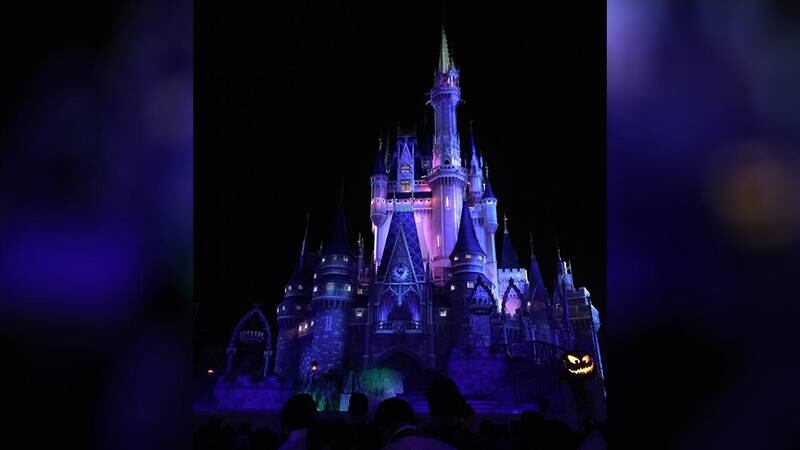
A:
(290, 98)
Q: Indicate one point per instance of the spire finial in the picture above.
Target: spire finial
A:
(558, 251)
(505, 223)
(472, 138)
(320, 246)
(305, 235)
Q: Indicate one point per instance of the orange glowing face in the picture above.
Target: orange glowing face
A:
(582, 365)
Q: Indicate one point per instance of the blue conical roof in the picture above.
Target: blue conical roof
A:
(508, 259)
(467, 241)
(338, 243)
(487, 192)
(380, 164)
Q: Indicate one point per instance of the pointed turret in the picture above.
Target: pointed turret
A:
(487, 191)
(300, 274)
(338, 242)
(467, 241)
(380, 160)
(475, 172)
(445, 62)
(536, 280)
(508, 260)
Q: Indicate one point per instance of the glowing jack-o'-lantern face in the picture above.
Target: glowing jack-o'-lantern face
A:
(579, 364)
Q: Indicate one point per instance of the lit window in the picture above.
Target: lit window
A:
(298, 308)
(278, 309)
(283, 308)
(438, 240)
(315, 276)
(323, 259)
(347, 287)
(529, 304)
(470, 285)
(300, 286)
(405, 186)
(360, 291)
(312, 323)
(455, 258)
(359, 312)
(452, 287)
(299, 328)
(447, 202)
(346, 259)
(442, 313)
(315, 289)
(330, 286)
(290, 288)
(405, 168)
(468, 256)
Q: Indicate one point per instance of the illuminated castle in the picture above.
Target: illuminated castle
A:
(431, 295)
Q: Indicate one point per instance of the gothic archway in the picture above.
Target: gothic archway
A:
(250, 346)
(411, 366)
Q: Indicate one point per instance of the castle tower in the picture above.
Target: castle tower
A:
(489, 203)
(470, 290)
(378, 204)
(295, 305)
(446, 178)
(332, 296)
(540, 308)
(561, 311)
(475, 173)
(510, 271)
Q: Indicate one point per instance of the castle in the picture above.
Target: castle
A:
(431, 295)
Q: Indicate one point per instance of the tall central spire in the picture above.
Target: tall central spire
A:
(445, 63)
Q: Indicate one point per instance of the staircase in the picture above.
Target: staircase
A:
(501, 401)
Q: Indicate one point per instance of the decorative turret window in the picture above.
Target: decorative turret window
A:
(323, 259)
(468, 256)
(452, 287)
(447, 202)
(405, 168)
(360, 291)
(405, 186)
(330, 286)
(359, 312)
(456, 258)
(347, 287)
(442, 312)
(470, 285)
(316, 288)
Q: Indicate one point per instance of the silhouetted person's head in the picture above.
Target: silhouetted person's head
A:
(392, 414)
(359, 406)
(298, 413)
(444, 399)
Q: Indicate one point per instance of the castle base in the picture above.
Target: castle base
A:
(478, 372)
(243, 394)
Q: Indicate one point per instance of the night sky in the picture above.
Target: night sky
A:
(291, 97)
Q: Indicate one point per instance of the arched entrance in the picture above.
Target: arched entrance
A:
(415, 377)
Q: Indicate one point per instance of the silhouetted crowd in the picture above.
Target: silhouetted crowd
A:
(394, 427)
